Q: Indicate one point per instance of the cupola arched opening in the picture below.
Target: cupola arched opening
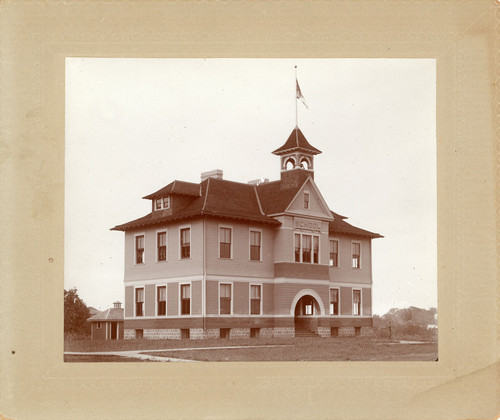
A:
(289, 164)
(305, 163)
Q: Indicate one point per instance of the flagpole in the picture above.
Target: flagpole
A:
(296, 99)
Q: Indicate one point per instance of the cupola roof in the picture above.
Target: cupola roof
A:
(297, 141)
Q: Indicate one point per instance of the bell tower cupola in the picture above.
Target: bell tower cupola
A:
(296, 157)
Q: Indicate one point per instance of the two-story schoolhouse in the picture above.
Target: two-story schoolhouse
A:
(228, 259)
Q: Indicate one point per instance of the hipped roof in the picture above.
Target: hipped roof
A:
(110, 314)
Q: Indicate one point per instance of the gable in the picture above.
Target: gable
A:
(317, 205)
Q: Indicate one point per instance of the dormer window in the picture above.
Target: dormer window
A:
(162, 203)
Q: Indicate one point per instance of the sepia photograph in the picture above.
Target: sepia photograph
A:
(243, 210)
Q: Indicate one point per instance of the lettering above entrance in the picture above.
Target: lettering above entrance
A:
(306, 224)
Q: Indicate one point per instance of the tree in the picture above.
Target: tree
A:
(76, 314)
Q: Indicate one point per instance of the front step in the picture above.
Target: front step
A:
(301, 331)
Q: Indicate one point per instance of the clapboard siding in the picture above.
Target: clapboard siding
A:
(241, 298)
(173, 299)
(346, 300)
(284, 294)
(174, 266)
(150, 300)
(129, 301)
(366, 301)
(240, 261)
(344, 272)
(268, 298)
(196, 297)
(212, 297)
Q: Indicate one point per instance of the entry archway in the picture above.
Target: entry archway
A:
(307, 307)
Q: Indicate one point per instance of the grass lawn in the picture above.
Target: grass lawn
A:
(292, 349)
(338, 349)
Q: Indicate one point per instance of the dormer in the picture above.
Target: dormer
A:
(173, 197)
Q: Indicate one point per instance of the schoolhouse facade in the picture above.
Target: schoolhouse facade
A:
(228, 259)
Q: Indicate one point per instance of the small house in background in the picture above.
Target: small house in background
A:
(108, 324)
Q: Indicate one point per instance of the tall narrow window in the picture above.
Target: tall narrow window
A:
(297, 247)
(306, 200)
(225, 299)
(158, 204)
(162, 246)
(185, 299)
(334, 253)
(166, 202)
(162, 300)
(255, 238)
(356, 302)
(356, 255)
(139, 302)
(139, 249)
(255, 299)
(315, 249)
(225, 242)
(186, 243)
(334, 301)
(306, 248)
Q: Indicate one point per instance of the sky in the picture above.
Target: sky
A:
(135, 125)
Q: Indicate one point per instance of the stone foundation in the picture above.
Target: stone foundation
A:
(266, 332)
(346, 331)
(323, 331)
(163, 334)
(128, 334)
(239, 333)
(284, 332)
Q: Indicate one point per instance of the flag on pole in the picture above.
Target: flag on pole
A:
(299, 94)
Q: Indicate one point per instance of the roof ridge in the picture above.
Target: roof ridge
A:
(206, 195)
(258, 200)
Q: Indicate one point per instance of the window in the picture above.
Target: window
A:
(306, 200)
(139, 334)
(255, 299)
(297, 247)
(162, 203)
(334, 301)
(306, 248)
(255, 241)
(99, 325)
(185, 299)
(225, 299)
(224, 242)
(184, 333)
(162, 246)
(139, 302)
(356, 255)
(225, 332)
(254, 332)
(162, 300)
(334, 253)
(139, 249)
(356, 302)
(186, 243)
(315, 249)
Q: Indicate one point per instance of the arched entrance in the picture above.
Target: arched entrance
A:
(306, 315)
